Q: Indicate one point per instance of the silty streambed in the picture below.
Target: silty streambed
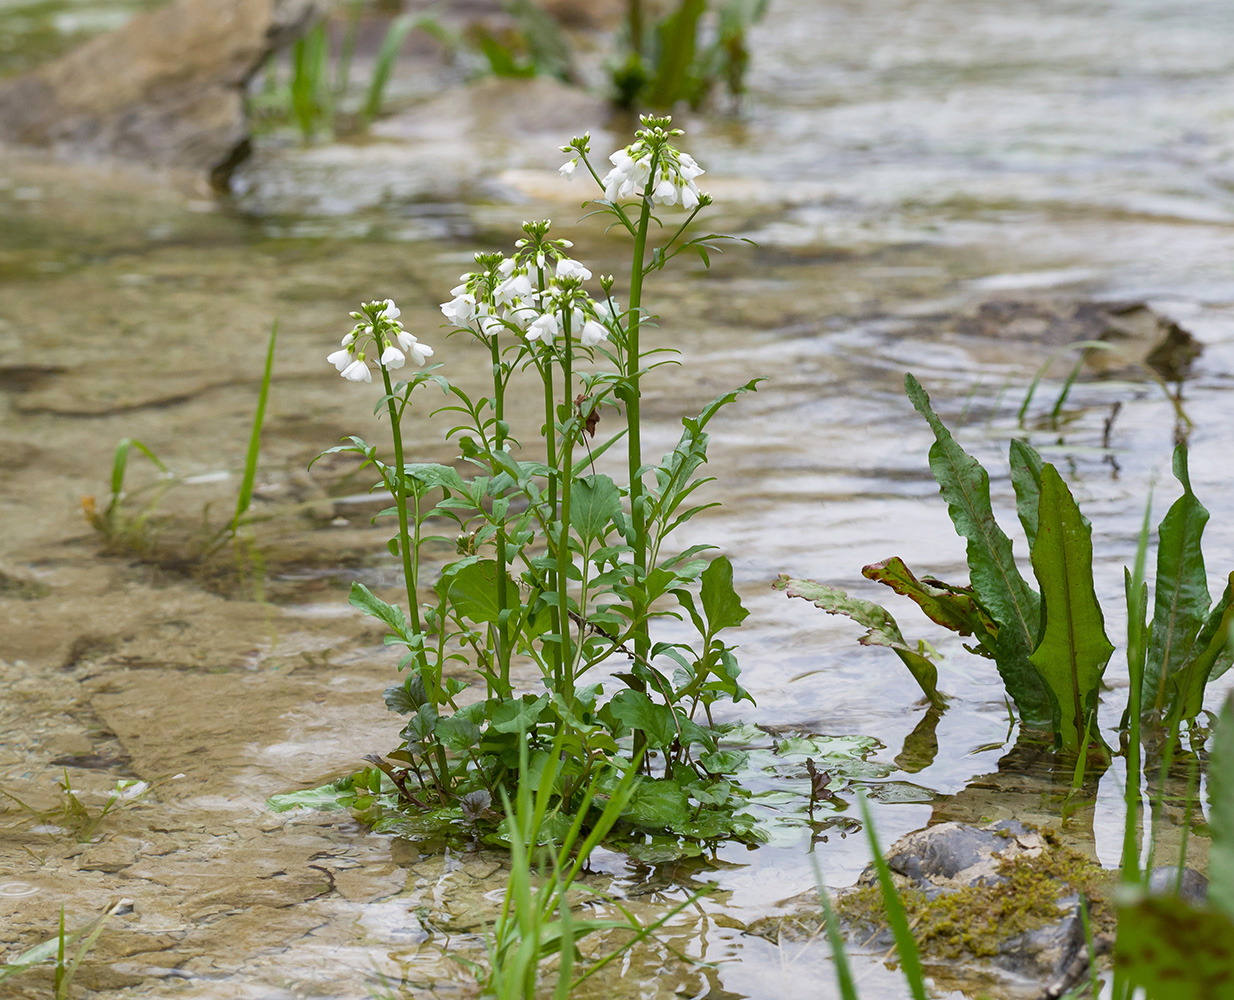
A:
(897, 168)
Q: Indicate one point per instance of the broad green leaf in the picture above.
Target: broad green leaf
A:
(518, 716)
(431, 474)
(457, 732)
(658, 804)
(473, 591)
(1074, 648)
(996, 580)
(1187, 684)
(1026, 466)
(364, 599)
(1182, 595)
(407, 697)
(1226, 657)
(1221, 812)
(636, 710)
(594, 501)
(1174, 951)
(882, 628)
(720, 601)
(953, 608)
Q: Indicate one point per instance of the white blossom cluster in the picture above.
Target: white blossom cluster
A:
(377, 322)
(507, 297)
(631, 175)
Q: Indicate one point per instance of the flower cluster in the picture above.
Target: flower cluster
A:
(532, 292)
(377, 322)
(650, 166)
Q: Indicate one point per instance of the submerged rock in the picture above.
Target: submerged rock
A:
(165, 90)
(1138, 335)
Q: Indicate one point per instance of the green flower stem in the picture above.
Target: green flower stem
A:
(642, 635)
(565, 678)
(410, 566)
(503, 640)
(550, 444)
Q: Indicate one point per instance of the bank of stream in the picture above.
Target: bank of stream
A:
(928, 185)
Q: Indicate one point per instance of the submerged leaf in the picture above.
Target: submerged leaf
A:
(882, 628)
(1074, 648)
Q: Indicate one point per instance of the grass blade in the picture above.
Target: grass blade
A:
(383, 66)
(839, 954)
(910, 959)
(250, 462)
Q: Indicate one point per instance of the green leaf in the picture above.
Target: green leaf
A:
(1026, 478)
(1074, 648)
(473, 591)
(1187, 684)
(658, 804)
(518, 716)
(594, 502)
(1181, 590)
(457, 732)
(407, 697)
(996, 580)
(250, 462)
(882, 628)
(1174, 951)
(721, 604)
(364, 599)
(953, 608)
(431, 474)
(1221, 812)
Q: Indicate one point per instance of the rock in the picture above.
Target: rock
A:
(1001, 901)
(1140, 336)
(1163, 881)
(165, 90)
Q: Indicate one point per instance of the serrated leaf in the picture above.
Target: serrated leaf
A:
(364, 599)
(1181, 598)
(1074, 648)
(996, 580)
(954, 608)
(882, 629)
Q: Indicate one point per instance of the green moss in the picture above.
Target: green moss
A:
(976, 920)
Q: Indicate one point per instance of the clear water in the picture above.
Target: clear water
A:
(897, 164)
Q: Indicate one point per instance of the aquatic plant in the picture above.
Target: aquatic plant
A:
(558, 563)
(72, 815)
(131, 531)
(1050, 646)
(317, 89)
(56, 950)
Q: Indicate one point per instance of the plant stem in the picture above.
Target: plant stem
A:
(503, 642)
(565, 680)
(405, 546)
(550, 445)
(642, 632)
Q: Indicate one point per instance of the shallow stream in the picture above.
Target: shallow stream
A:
(899, 165)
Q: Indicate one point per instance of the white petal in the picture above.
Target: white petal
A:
(357, 371)
(340, 359)
(392, 357)
(567, 169)
(593, 333)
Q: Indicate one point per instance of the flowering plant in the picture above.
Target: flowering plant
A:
(558, 565)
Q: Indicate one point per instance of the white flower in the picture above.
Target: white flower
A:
(512, 290)
(392, 357)
(350, 338)
(567, 169)
(358, 371)
(567, 268)
(665, 193)
(687, 167)
(543, 329)
(420, 353)
(490, 326)
(689, 196)
(459, 309)
(391, 311)
(340, 359)
(593, 333)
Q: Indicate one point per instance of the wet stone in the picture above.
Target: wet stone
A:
(108, 857)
